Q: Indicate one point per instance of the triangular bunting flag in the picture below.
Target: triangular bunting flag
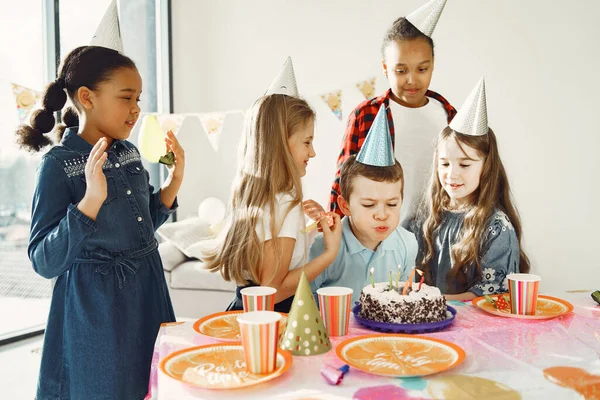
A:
(334, 102)
(26, 99)
(213, 125)
(305, 333)
(171, 122)
(367, 88)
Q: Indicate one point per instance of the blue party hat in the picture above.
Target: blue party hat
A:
(377, 149)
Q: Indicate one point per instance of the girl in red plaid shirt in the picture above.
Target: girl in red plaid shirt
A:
(415, 114)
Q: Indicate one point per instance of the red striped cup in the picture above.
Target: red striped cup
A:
(259, 331)
(523, 291)
(334, 306)
(258, 298)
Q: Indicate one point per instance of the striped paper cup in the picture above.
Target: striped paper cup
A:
(523, 291)
(259, 331)
(258, 298)
(334, 306)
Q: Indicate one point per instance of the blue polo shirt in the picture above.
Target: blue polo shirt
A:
(353, 262)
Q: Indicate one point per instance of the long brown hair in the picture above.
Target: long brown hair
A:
(493, 193)
(266, 168)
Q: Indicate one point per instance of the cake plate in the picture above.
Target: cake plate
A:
(388, 327)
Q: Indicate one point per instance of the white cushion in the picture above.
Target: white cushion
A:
(171, 256)
(193, 275)
(186, 234)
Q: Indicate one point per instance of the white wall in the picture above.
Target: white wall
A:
(540, 60)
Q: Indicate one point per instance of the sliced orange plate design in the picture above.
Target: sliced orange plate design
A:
(218, 366)
(224, 326)
(547, 308)
(399, 355)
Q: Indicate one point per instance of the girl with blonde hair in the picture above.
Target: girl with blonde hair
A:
(263, 242)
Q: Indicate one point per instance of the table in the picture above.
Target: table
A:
(506, 358)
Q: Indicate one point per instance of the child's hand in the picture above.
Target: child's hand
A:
(332, 236)
(176, 170)
(96, 190)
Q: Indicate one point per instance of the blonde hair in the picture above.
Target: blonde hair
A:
(493, 193)
(266, 168)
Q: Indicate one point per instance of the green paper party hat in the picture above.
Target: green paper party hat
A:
(305, 333)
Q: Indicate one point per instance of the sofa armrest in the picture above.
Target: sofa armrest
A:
(171, 256)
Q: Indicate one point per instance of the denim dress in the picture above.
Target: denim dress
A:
(500, 254)
(110, 295)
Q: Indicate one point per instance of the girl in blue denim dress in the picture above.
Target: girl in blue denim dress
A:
(468, 228)
(94, 215)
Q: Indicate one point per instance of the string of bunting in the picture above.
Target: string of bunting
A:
(333, 99)
(212, 123)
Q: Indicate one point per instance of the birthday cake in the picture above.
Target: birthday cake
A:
(379, 303)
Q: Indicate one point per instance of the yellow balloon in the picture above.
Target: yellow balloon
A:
(151, 141)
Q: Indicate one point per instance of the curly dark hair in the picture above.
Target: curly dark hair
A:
(87, 66)
(402, 30)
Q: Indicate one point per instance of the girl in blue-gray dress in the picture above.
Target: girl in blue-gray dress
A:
(94, 215)
(469, 231)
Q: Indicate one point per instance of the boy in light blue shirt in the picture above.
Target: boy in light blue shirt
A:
(371, 186)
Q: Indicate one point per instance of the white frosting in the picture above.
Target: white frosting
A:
(385, 296)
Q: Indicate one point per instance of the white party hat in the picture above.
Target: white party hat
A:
(285, 82)
(471, 118)
(108, 33)
(426, 17)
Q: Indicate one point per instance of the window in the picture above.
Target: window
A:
(27, 42)
(24, 295)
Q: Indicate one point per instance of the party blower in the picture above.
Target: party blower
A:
(151, 142)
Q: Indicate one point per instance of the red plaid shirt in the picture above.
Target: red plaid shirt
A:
(358, 126)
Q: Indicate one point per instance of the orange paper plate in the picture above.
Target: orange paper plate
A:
(218, 366)
(224, 326)
(547, 308)
(399, 355)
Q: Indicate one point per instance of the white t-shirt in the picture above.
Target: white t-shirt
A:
(292, 227)
(416, 130)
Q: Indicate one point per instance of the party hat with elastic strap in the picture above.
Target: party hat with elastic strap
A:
(305, 333)
(426, 17)
(377, 149)
(108, 33)
(471, 118)
(285, 82)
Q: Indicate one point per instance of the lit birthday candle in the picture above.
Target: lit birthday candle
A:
(398, 276)
(391, 281)
(422, 279)
(408, 281)
(372, 280)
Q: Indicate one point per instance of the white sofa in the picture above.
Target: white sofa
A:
(195, 292)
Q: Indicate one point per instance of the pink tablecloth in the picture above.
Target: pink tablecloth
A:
(505, 359)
